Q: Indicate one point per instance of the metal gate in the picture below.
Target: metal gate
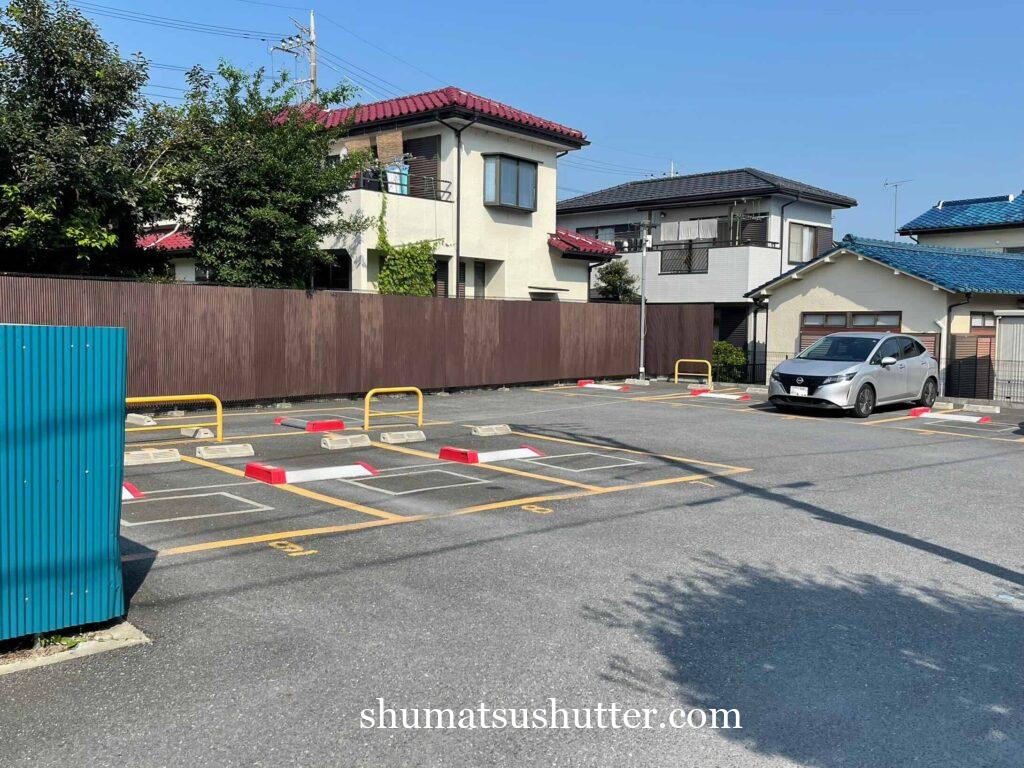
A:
(1009, 374)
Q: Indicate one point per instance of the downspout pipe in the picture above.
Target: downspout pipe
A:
(949, 336)
(458, 188)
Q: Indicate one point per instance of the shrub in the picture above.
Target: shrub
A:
(727, 361)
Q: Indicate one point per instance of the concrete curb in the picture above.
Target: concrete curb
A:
(490, 430)
(122, 635)
(232, 451)
(340, 442)
(151, 456)
(410, 436)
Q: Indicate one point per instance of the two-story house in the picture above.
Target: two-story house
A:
(472, 175)
(990, 223)
(714, 236)
(478, 178)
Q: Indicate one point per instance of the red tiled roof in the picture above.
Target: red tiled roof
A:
(567, 241)
(442, 98)
(179, 241)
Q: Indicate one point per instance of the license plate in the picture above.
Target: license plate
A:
(798, 391)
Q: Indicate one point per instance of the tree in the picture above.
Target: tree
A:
(78, 166)
(615, 283)
(406, 270)
(262, 192)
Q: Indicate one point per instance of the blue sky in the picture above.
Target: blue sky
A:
(841, 95)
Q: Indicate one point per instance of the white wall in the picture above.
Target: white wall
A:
(986, 238)
(850, 285)
(513, 243)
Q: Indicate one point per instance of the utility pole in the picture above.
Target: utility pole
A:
(895, 203)
(303, 45)
(644, 234)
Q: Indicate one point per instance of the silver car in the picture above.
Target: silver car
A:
(856, 372)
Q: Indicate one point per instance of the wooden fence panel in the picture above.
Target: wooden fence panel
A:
(258, 344)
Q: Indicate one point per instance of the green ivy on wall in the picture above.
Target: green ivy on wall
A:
(405, 270)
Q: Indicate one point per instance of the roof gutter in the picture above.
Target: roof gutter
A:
(949, 332)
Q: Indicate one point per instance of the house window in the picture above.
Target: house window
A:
(983, 323)
(510, 182)
(876, 320)
(823, 320)
(802, 242)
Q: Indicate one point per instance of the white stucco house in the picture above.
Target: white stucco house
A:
(966, 305)
(715, 236)
(474, 176)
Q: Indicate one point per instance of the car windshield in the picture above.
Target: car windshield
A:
(852, 349)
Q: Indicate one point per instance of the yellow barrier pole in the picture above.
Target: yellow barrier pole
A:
(694, 360)
(367, 413)
(170, 399)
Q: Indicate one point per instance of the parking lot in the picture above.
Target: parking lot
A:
(855, 588)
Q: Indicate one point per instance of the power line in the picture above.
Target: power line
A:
(381, 83)
(604, 170)
(372, 44)
(166, 22)
(610, 165)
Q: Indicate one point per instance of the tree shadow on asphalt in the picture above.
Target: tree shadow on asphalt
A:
(834, 671)
(740, 487)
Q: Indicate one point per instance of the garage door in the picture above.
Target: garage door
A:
(1009, 384)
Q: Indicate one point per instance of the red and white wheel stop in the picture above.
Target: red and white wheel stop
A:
(920, 413)
(718, 395)
(268, 473)
(590, 384)
(333, 424)
(467, 456)
(129, 491)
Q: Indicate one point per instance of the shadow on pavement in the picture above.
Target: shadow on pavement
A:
(836, 671)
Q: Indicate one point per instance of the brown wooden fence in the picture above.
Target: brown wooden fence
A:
(255, 344)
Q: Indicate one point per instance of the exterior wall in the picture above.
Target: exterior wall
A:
(985, 238)
(850, 285)
(513, 243)
(961, 316)
(731, 271)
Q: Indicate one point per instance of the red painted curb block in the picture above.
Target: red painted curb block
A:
(462, 455)
(919, 412)
(325, 426)
(538, 451)
(985, 420)
(584, 382)
(265, 473)
(745, 397)
(371, 469)
(695, 392)
(624, 388)
(133, 490)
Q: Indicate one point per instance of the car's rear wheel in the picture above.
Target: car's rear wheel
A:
(864, 404)
(929, 392)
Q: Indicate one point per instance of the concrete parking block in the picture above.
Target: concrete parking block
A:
(409, 436)
(340, 442)
(230, 451)
(151, 456)
(141, 420)
(490, 430)
(200, 433)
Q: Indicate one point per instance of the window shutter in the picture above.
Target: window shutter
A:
(823, 240)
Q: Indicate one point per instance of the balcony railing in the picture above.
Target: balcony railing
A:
(408, 184)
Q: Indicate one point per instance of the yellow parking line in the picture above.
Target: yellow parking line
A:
(227, 543)
(493, 467)
(885, 421)
(304, 492)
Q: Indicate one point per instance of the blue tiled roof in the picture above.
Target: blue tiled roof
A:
(961, 270)
(969, 214)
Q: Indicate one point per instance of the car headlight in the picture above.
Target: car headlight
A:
(838, 378)
(775, 376)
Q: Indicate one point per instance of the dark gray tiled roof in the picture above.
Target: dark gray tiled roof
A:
(698, 186)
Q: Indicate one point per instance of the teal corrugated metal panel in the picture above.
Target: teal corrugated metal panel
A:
(62, 393)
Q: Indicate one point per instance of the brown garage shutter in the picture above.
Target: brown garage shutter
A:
(441, 279)
(930, 342)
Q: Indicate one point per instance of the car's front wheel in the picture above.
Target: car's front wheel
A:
(929, 392)
(864, 404)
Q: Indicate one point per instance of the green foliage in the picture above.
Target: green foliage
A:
(406, 270)
(727, 361)
(263, 194)
(615, 283)
(42, 641)
(79, 150)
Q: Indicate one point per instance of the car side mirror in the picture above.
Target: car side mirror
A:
(887, 361)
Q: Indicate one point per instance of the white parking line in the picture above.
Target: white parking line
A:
(254, 507)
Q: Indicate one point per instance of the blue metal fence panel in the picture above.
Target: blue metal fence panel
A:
(62, 393)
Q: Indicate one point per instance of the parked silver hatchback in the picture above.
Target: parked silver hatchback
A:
(856, 372)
